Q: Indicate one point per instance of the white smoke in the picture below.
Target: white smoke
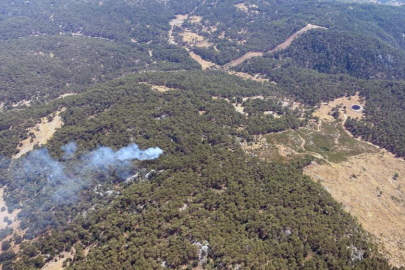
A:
(66, 179)
(70, 150)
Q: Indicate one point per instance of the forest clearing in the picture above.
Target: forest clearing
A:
(40, 134)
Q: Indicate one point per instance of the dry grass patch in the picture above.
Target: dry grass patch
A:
(66, 95)
(57, 263)
(242, 7)
(260, 148)
(195, 19)
(162, 88)
(367, 187)
(194, 39)
(23, 102)
(246, 76)
(191, 38)
(41, 133)
(324, 112)
(159, 88)
(178, 21)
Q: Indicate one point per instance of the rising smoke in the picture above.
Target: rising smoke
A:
(69, 150)
(64, 180)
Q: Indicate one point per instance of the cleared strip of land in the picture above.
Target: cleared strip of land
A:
(279, 47)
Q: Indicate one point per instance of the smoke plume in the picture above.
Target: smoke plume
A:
(69, 150)
(64, 180)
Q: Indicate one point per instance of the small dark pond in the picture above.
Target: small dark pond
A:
(356, 107)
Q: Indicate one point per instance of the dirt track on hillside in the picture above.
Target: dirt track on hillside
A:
(279, 47)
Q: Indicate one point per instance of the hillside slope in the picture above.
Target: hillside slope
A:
(174, 134)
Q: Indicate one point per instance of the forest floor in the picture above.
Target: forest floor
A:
(361, 176)
(42, 131)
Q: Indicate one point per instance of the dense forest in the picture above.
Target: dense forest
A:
(262, 25)
(50, 48)
(228, 205)
(342, 52)
(201, 202)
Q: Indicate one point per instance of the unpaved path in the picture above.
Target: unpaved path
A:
(316, 155)
(204, 64)
(179, 20)
(336, 126)
(242, 59)
(303, 141)
(289, 40)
